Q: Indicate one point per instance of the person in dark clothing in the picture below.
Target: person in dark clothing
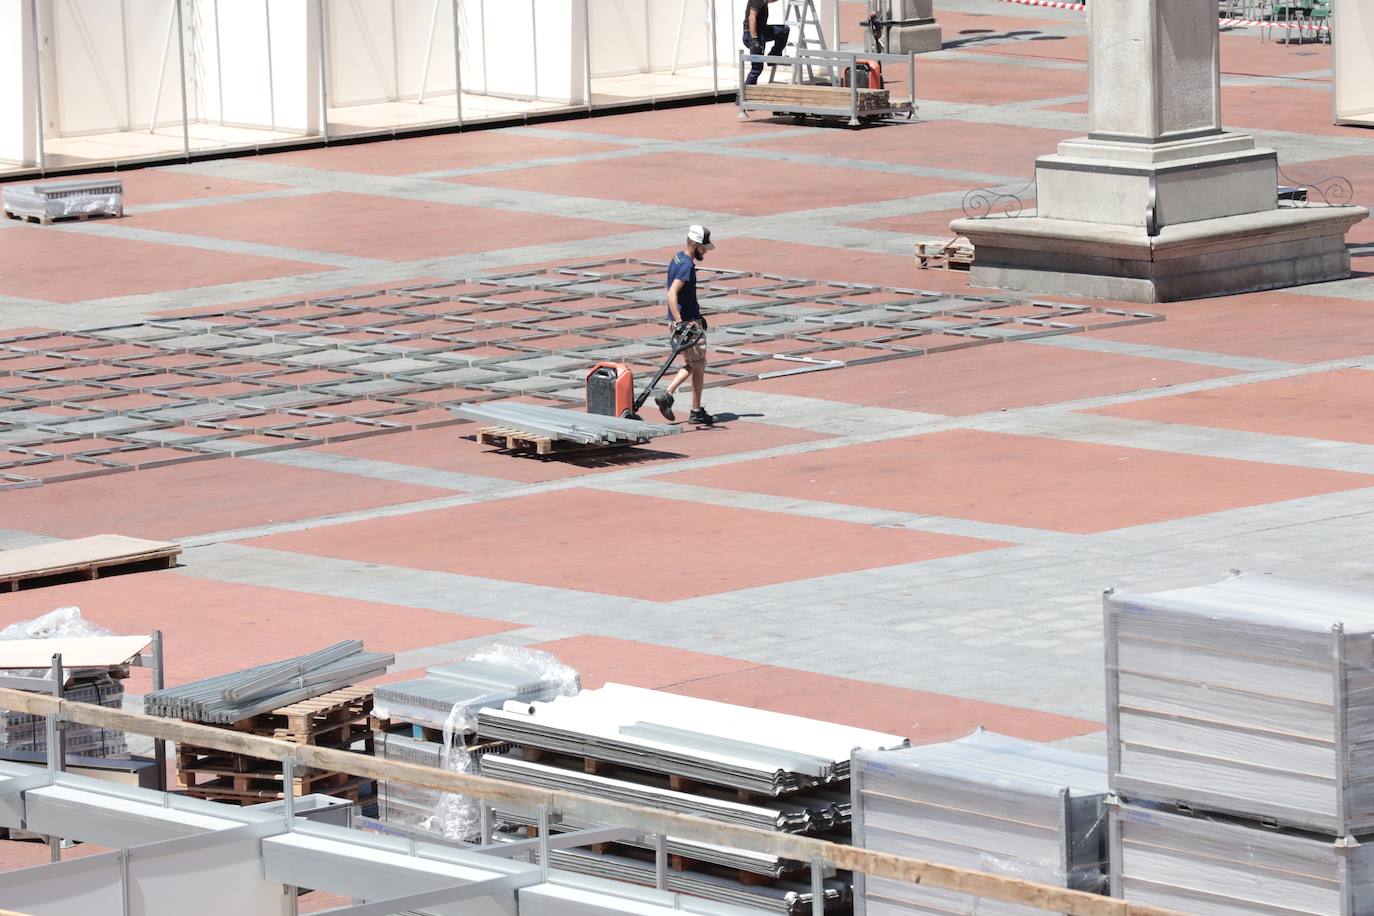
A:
(683, 307)
(757, 32)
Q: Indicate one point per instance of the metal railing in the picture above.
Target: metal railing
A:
(555, 804)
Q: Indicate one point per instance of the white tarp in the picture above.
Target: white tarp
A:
(1352, 36)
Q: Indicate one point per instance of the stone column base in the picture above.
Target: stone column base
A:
(920, 37)
(1214, 257)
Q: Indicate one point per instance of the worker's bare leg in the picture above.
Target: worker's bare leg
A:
(676, 383)
(698, 382)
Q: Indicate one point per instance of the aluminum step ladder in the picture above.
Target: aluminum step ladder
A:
(799, 16)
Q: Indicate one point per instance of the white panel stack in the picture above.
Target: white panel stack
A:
(1252, 696)
(985, 802)
(1219, 866)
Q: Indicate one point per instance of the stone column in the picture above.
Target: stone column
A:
(1158, 202)
(917, 29)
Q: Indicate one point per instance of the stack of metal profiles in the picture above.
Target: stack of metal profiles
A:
(229, 698)
(1250, 696)
(565, 425)
(791, 898)
(467, 686)
(715, 743)
(801, 813)
(985, 802)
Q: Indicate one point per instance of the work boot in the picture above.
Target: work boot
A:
(664, 400)
(700, 417)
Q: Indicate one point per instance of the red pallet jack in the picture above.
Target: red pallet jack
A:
(611, 386)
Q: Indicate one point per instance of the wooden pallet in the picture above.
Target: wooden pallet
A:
(49, 220)
(352, 788)
(82, 558)
(803, 96)
(309, 720)
(519, 440)
(956, 254)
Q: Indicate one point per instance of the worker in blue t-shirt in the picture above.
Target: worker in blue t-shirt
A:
(683, 307)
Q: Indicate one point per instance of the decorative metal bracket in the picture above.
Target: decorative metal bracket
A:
(1336, 191)
(982, 203)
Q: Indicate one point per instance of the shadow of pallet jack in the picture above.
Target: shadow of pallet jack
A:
(611, 386)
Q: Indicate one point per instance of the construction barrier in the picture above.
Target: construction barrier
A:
(1223, 23)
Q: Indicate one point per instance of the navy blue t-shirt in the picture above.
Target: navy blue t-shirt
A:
(683, 268)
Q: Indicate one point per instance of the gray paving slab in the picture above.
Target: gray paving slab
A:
(388, 470)
(1171, 354)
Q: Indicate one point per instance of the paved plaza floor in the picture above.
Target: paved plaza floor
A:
(916, 544)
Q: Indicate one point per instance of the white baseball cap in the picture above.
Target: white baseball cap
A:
(701, 235)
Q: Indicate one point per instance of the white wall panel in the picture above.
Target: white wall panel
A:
(1353, 37)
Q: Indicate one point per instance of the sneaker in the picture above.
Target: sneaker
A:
(701, 417)
(664, 400)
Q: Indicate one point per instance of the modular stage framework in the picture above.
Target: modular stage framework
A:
(258, 378)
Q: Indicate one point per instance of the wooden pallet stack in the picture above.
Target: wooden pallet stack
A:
(339, 719)
(956, 254)
(788, 96)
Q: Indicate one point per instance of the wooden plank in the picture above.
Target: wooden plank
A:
(595, 810)
(77, 651)
(82, 554)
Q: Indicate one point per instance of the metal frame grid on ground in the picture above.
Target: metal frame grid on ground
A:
(259, 378)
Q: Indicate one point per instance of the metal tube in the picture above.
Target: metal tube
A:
(457, 62)
(661, 861)
(181, 68)
(677, 45)
(162, 70)
(271, 83)
(159, 744)
(288, 791)
(322, 68)
(544, 842)
(41, 126)
(57, 752)
(429, 51)
(587, 52)
(534, 46)
(817, 887)
(715, 52)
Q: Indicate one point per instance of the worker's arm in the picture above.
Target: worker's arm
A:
(754, 24)
(672, 301)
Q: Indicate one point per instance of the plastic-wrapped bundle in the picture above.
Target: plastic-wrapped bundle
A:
(985, 802)
(61, 199)
(1251, 696)
(1222, 866)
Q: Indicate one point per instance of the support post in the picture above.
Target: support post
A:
(271, 83)
(181, 69)
(661, 861)
(57, 750)
(429, 50)
(162, 70)
(159, 744)
(457, 62)
(37, 82)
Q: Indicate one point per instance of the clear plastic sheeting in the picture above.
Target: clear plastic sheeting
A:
(1250, 696)
(1219, 866)
(985, 802)
(449, 697)
(65, 199)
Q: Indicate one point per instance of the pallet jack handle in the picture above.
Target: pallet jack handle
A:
(685, 336)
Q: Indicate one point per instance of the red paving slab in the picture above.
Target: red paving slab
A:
(1326, 405)
(994, 84)
(562, 539)
(198, 498)
(1248, 54)
(992, 377)
(812, 259)
(452, 449)
(994, 149)
(16, 854)
(1272, 325)
(157, 186)
(466, 150)
(923, 717)
(213, 627)
(1297, 110)
(934, 224)
(378, 227)
(32, 256)
(718, 183)
(696, 122)
(1028, 481)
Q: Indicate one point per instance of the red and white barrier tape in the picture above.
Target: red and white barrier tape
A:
(1225, 23)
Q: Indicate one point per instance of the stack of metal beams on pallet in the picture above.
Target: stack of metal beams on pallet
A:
(985, 802)
(308, 700)
(1240, 720)
(228, 698)
(729, 763)
(565, 425)
(430, 721)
